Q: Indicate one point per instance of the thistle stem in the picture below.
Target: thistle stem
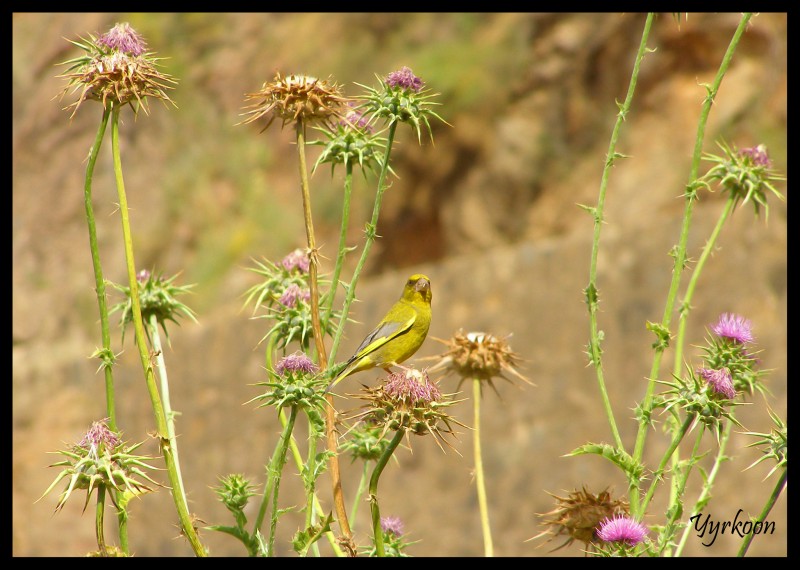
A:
(98, 520)
(708, 484)
(776, 492)
(168, 413)
(336, 477)
(141, 343)
(100, 284)
(279, 459)
(591, 289)
(373, 491)
(680, 250)
(488, 547)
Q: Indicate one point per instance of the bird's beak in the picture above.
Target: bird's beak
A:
(422, 285)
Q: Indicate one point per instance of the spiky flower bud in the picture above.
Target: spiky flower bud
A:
(705, 395)
(774, 445)
(408, 400)
(729, 348)
(235, 491)
(296, 98)
(157, 297)
(101, 459)
(394, 543)
(746, 174)
(365, 442)
(351, 141)
(478, 355)
(118, 69)
(578, 515)
(400, 97)
(294, 382)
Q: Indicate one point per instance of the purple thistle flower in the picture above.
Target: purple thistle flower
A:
(621, 528)
(720, 380)
(403, 385)
(123, 38)
(297, 362)
(143, 276)
(405, 79)
(356, 118)
(757, 155)
(734, 327)
(99, 434)
(392, 525)
(292, 294)
(296, 260)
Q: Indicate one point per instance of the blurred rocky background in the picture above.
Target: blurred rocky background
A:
(489, 212)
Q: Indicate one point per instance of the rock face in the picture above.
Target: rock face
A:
(488, 212)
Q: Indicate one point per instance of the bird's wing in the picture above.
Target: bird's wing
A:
(382, 334)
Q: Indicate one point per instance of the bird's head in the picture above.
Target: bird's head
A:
(418, 287)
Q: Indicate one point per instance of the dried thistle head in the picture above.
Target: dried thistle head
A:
(480, 356)
(408, 400)
(578, 516)
(296, 98)
(116, 69)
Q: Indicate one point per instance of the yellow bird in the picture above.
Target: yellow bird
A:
(398, 336)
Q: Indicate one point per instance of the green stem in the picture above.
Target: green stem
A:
(168, 413)
(298, 460)
(342, 250)
(678, 483)
(362, 485)
(373, 491)
(371, 233)
(107, 355)
(676, 440)
(680, 251)
(705, 494)
(488, 548)
(141, 343)
(776, 492)
(277, 467)
(591, 289)
(310, 479)
(99, 281)
(686, 304)
(98, 520)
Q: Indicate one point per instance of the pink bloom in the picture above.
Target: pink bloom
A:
(392, 525)
(292, 294)
(757, 154)
(123, 38)
(404, 386)
(719, 380)
(296, 260)
(404, 79)
(297, 362)
(734, 327)
(621, 528)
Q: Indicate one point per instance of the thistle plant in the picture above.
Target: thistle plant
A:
(407, 402)
(101, 462)
(480, 358)
(117, 70)
(699, 397)
(353, 137)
